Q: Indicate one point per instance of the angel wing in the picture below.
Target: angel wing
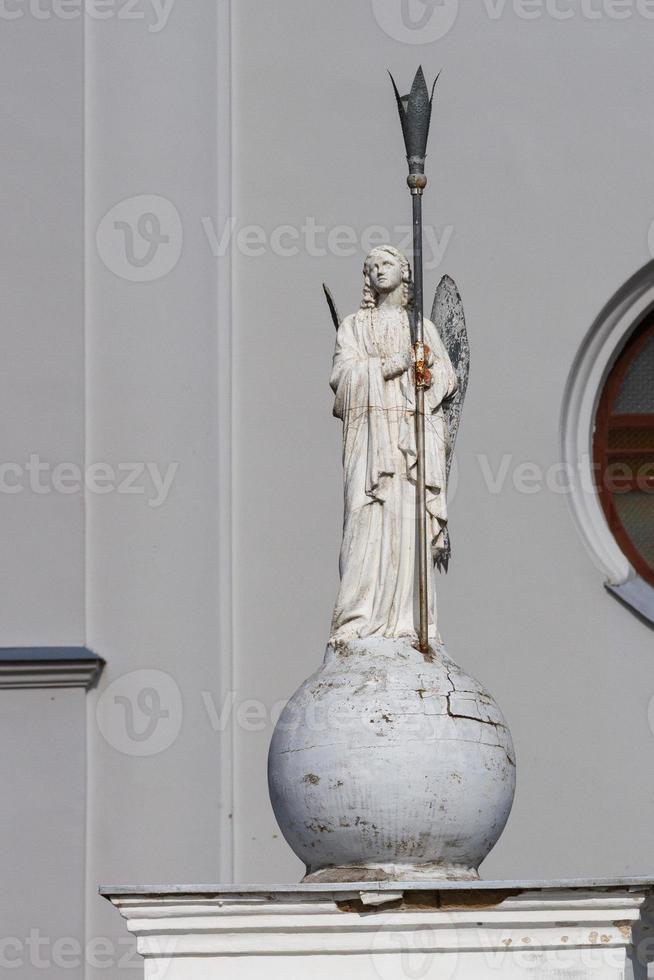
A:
(336, 320)
(449, 319)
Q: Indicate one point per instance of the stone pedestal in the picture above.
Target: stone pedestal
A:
(382, 931)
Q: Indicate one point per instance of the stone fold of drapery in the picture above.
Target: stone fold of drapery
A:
(377, 407)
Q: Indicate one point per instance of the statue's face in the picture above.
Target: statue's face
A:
(385, 272)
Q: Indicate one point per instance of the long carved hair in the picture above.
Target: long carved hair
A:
(369, 297)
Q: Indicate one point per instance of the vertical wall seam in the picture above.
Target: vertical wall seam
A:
(90, 887)
(225, 432)
(85, 518)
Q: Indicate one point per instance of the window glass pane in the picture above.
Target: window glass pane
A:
(636, 512)
(636, 393)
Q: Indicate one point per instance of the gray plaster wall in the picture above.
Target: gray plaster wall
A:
(42, 829)
(42, 360)
(42, 732)
(153, 577)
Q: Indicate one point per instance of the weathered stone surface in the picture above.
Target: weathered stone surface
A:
(391, 764)
(370, 932)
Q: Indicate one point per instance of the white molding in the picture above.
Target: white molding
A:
(225, 645)
(596, 356)
(241, 931)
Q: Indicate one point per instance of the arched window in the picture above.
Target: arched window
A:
(623, 449)
(607, 442)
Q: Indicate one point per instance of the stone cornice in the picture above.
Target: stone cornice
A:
(314, 922)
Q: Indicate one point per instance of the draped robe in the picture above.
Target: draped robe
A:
(375, 398)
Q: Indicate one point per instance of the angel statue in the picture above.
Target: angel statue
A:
(373, 383)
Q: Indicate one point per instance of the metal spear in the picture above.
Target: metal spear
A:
(415, 116)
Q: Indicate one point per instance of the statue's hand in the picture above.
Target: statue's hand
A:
(408, 360)
(395, 366)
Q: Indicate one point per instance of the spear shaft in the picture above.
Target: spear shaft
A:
(415, 116)
(421, 492)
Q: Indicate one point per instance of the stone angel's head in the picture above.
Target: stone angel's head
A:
(385, 270)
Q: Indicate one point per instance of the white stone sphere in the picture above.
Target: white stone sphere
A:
(388, 764)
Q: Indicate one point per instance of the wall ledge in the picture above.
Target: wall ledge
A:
(47, 667)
